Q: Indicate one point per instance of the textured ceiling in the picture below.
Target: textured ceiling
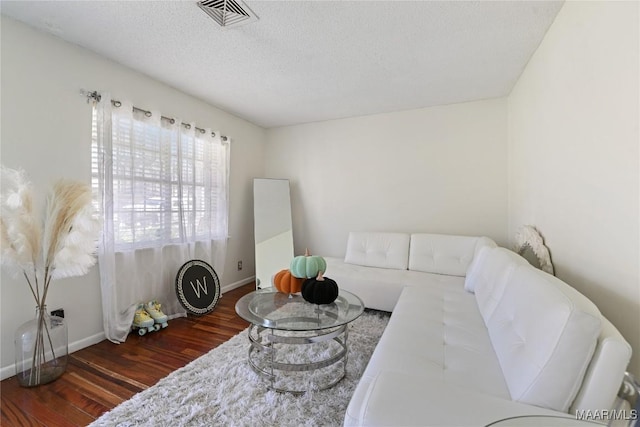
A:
(313, 60)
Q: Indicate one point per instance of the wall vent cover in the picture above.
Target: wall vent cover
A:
(228, 13)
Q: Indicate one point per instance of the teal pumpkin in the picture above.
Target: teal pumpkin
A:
(307, 266)
(320, 290)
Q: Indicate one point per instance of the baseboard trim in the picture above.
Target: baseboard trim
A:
(234, 285)
(9, 371)
(86, 342)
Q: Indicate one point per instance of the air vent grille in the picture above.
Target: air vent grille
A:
(228, 13)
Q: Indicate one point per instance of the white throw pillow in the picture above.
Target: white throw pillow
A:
(473, 272)
(483, 245)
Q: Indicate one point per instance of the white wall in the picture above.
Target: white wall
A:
(440, 169)
(574, 155)
(46, 130)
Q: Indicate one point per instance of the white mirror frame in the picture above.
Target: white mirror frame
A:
(528, 236)
(273, 229)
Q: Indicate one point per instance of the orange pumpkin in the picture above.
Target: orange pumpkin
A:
(287, 283)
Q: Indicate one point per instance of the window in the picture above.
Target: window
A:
(164, 182)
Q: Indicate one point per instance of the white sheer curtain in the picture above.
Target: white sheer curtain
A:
(162, 189)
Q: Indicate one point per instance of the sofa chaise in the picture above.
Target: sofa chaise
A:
(476, 335)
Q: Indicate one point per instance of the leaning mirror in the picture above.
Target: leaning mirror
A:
(272, 228)
(530, 245)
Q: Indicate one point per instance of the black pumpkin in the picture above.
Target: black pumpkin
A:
(320, 290)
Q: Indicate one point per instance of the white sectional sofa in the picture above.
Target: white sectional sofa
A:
(476, 335)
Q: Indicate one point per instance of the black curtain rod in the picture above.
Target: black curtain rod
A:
(95, 96)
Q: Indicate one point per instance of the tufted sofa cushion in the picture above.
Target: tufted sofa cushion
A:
(544, 333)
(379, 288)
(444, 254)
(442, 336)
(382, 250)
(488, 276)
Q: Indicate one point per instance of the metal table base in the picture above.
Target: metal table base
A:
(263, 353)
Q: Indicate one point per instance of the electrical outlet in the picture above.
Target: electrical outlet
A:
(58, 312)
(239, 265)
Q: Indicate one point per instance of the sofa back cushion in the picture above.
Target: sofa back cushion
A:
(605, 373)
(488, 276)
(544, 333)
(444, 253)
(374, 249)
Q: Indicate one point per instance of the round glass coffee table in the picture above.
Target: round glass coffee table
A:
(295, 345)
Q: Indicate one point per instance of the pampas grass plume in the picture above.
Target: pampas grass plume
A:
(68, 244)
(70, 230)
(20, 232)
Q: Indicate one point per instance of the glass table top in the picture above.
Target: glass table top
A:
(274, 310)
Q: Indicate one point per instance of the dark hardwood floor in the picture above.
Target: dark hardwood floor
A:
(100, 377)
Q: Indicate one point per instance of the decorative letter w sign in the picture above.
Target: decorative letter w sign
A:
(204, 290)
(200, 287)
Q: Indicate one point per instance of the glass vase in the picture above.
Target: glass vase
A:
(42, 349)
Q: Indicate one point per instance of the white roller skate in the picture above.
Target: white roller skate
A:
(142, 322)
(154, 310)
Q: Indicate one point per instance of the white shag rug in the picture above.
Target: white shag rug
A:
(220, 389)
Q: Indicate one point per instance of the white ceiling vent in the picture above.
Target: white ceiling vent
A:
(228, 13)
